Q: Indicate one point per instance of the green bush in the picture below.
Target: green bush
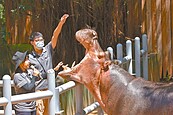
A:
(7, 51)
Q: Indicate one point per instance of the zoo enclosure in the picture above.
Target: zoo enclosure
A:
(53, 92)
(127, 19)
(141, 56)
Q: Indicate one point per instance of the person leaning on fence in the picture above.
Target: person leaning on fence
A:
(41, 58)
(24, 82)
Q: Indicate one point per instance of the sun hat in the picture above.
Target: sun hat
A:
(18, 58)
(35, 35)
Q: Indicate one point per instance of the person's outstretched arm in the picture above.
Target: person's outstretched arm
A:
(58, 30)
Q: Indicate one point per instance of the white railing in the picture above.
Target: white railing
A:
(52, 94)
(139, 54)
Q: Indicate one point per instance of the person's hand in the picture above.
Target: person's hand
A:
(58, 66)
(64, 17)
(35, 71)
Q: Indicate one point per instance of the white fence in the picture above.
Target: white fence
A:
(53, 92)
(141, 55)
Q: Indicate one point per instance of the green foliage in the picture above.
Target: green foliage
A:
(7, 51)
(20, 47)
(2, 13)
(22, 7)
(2, 20)
(2, 17)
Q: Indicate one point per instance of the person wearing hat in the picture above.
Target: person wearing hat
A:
(24, 82)
(41, 58)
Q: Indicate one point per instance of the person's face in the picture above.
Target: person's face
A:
(38, 43)
(38, 39)
(25, 64)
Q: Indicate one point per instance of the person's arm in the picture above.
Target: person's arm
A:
(29, 86)
(36, 74)
(58, 30)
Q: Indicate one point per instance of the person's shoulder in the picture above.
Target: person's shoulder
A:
(30, 55)
(21, 75)
(49, 44)
(16, 74)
